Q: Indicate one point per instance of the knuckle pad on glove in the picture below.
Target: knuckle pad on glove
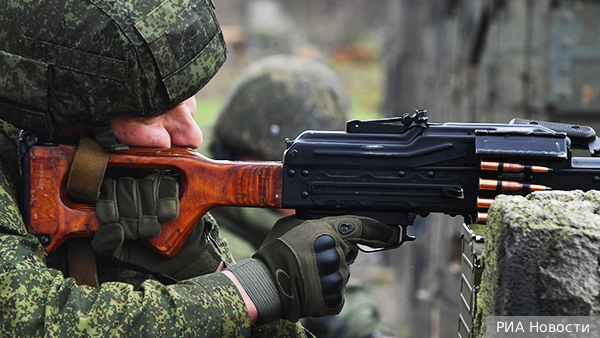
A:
(328, 264)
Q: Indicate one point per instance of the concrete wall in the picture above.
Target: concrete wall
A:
(541, 256)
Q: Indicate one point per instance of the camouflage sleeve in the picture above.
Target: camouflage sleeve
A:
(281, 328)
(37, 301)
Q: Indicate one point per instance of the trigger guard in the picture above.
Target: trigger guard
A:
(405, 237)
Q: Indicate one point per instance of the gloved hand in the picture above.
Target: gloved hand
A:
(308, 264)
(138, 206)
(131, 209)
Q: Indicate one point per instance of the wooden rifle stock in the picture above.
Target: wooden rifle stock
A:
(205, 184)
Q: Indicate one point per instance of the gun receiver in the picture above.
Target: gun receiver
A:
(392, 170)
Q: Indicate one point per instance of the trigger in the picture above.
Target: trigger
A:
(404, 238)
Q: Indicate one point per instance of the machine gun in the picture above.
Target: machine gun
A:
(392, 170)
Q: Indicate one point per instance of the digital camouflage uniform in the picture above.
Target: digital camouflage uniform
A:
(65, 61)
(38, 300)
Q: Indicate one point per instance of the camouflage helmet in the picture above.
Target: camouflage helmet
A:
(65, 61)
(278, 97)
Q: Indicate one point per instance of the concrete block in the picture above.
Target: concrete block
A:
(542, 256)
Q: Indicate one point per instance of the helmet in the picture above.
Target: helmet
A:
(278, 97)
(65, 61)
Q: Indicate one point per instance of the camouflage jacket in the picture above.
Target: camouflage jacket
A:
(37, 300)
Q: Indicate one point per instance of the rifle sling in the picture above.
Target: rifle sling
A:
(83, 185)
(87, 171)
(82, 262)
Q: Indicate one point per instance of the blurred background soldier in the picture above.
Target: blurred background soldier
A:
(278, 97)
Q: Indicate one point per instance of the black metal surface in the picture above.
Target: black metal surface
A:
(404, 171)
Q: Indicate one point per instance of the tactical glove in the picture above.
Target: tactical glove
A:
(138, 206)
(307, 264)
(131, 209)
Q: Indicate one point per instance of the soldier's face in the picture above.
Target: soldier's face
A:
(175, 128)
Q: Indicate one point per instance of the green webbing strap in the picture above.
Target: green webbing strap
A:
(83, 185)
(82, 262)
(87, 171)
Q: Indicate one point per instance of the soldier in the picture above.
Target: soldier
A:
(277, 97)
(125, 73)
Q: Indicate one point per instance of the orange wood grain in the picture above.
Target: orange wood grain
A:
(205, 184)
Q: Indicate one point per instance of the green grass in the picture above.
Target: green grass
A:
(207, 109)
(363, 82)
